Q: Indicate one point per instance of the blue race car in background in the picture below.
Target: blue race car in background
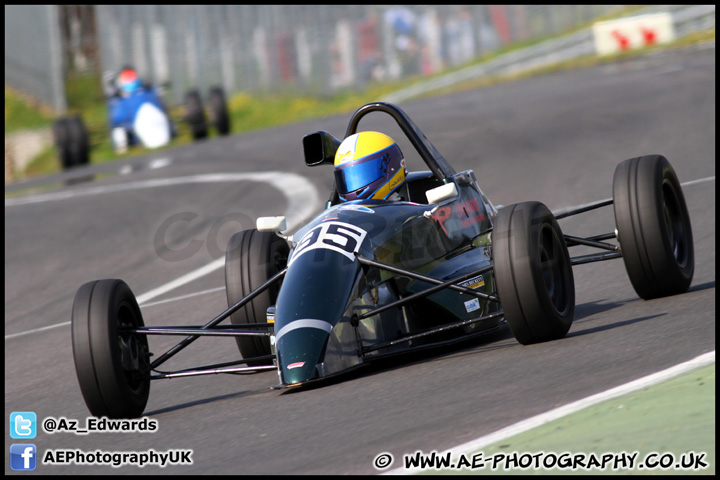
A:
(137, 115)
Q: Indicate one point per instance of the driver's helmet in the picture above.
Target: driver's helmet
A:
(128, 81)
(368, 165)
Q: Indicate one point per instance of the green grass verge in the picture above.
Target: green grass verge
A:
(673, 422)
(23, 113)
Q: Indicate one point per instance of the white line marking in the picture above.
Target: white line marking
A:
(279, 179)
(174, 299)
(178, 282)
(36, 330)
(691, 182)
(543, 418)
(183, 297)
(302, 197)
(159, 163)
(699, 180)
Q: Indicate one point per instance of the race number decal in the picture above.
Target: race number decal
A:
(341, 237)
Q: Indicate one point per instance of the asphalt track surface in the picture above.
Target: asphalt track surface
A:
(555, 138)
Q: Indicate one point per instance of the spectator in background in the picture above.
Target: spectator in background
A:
(404, 26)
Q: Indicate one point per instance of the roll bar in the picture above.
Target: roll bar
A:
(434, 160)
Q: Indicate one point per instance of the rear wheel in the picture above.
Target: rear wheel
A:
(112, 365)
(219, 111)
(252, 258)
(72, 141)
(653, 227)
(195, 115)
(533, 273)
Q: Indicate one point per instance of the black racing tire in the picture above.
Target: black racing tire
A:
(533, 273)
(195, 115)
(81, 137)
(72, 141)
(219, 111)
(112, 366)
(61, 134)
(252, 258)
(653, 227)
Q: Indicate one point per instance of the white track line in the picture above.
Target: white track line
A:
(691, 182)
(699, 180)
(178, 282)
(281, 180)
(302, 197)
(183, 297)
(141, 304)
(543, 418)
(36, 330)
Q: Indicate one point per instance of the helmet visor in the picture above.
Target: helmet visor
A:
(130, 87)
(354, 176)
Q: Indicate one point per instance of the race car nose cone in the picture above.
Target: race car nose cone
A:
(300, 347)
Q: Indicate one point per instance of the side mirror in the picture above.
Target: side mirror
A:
(271, 224)
(441, 193)
(319, 148)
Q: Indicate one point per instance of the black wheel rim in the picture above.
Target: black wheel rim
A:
(552, 266)
(674, 223)
(133, 350)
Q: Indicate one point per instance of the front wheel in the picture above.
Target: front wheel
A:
(252, 258)
(653, 227)
(112, 364)
(533, 273)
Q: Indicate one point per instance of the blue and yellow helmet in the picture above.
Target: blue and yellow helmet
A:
(368, 165)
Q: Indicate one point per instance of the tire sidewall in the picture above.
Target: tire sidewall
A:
(96, 319)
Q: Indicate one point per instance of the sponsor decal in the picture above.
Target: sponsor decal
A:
(475, 282)
(346, 151)
(385, 190)
(469, 212)
(295, 365)
(472, 305)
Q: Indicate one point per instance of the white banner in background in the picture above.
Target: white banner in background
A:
(616, 36)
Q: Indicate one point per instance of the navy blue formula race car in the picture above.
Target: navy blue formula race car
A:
(396, 262)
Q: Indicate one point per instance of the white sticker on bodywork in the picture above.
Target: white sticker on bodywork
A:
(475, 282)
(472, 305)
(341, 237)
